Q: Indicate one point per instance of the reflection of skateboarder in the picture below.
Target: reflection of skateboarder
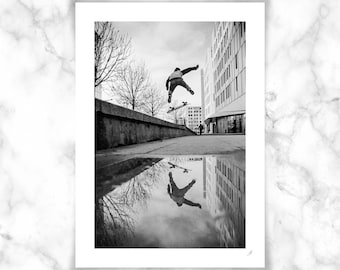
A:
(177, 194)
(175, 79)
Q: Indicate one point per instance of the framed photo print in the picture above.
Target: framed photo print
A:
(170, 134)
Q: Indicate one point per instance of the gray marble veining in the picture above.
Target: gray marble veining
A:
(37, 107)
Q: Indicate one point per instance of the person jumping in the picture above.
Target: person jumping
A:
(175, 79)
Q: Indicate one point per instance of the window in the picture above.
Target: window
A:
(236, 61)
(236, 83)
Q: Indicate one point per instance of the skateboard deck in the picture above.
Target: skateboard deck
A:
(172, 109)
(173, 166)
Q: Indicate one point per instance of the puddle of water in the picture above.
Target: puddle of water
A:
(172, 202)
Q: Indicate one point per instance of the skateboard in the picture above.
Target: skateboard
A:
(173, 166)
(171, 109)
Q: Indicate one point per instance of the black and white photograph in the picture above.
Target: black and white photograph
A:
(170, 128)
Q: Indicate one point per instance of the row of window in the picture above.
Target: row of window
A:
(222, 57)
(233, 196)
(220, 29)
(236, 215)
(223, 43)
(223, 79)
(225, 94)
(228, 172)
(232, 68)
(237, 85)
(234, 47)
(226, 75)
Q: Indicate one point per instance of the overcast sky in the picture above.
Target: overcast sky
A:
(163, 46)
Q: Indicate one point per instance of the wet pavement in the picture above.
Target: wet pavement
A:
(172, 201)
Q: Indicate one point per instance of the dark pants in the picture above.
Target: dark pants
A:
(179, 81)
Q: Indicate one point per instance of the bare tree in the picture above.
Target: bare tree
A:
(155, 101)
(132, 86)
(111, 50)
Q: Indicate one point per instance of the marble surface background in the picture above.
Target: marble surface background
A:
(37, 107)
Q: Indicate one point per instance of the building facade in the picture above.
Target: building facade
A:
(224, 192)
(202, 98)
(180, 121)
(207, 88)
(224, 79)
(193, 117)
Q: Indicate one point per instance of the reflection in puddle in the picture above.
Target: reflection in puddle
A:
(172, 202)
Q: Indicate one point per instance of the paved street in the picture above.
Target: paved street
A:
(188, 145)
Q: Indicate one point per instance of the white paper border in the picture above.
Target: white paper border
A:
(254, 253)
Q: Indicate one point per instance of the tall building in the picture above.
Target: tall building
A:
(208, 101)
(202, 98)
(193, 117)
(224, 79)
(224, 192)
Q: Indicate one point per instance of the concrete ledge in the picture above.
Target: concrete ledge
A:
(117, 126)
(124, 113)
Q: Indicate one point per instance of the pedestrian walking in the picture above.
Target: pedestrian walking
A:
(200, 127)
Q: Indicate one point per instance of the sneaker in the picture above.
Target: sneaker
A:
(192, 92)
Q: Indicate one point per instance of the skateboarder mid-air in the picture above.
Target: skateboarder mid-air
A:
(175, 79)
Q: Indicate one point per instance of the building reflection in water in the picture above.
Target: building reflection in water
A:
(224, 191)
(132, 196)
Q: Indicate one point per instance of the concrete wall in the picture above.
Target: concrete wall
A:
(116, 126)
